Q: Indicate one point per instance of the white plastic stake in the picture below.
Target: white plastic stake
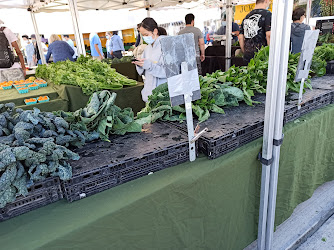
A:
(189, 114)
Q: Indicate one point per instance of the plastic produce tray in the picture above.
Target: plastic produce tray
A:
(320, 96)
(238, 126)
(104, 165)
(40, 194)
(226, 132)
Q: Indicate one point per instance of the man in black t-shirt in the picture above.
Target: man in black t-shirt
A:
(255, 29)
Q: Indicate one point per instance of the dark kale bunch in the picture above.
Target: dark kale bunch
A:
(33, 146)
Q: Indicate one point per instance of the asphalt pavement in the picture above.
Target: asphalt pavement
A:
(323, 239)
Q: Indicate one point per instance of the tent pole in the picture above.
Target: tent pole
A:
(279, 114)
(269, 119)
(148, 12)
(308, 11)
(228, 44)
(38, 37)
(75, 20)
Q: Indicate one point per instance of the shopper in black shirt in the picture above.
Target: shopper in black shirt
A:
(255, 29)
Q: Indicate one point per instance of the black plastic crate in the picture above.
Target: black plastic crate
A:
(320, 96)
(40, 194)
(226, 132)
(104, 165)
(330, 68)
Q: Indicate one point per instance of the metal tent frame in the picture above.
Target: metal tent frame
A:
(273, 121)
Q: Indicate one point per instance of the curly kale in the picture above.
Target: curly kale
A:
(8, 177)
(8, 195)
(22, 153)
(7, 157)
(3, 121)
(21, 136)
(33, 146)
(64, 140)
(10, 106)
(8, 140)
(38, 172)
(64, 171)
(61, 124)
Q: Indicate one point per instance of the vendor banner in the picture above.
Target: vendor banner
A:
(241, 11)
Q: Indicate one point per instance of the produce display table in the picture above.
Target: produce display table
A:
(56, 101)
(126, 97)
(71, 98)
(207, 204)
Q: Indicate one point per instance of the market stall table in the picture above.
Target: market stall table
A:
(56, 101)
(71, 98)
(127, 69)
(207, 204)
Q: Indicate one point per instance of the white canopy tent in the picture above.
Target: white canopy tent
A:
(112, 14)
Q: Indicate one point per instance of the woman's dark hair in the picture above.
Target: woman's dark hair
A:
(149, 24)
(25, 36)
(189, 18)
(115, 32)
(162, 31)
(297, 14)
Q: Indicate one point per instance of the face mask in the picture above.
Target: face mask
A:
(148, 39)
(223, 23)
(33, 40)
(107, 37)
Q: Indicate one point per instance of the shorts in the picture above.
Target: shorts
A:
(11, 75)
(117, 54)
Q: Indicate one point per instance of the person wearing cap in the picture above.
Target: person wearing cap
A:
(14, 71)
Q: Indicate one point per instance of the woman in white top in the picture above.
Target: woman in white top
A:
(108, 47)
(18, 70)
(151, 63)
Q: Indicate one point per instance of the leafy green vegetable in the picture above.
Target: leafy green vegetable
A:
(214, 97)
(103, 116)
(34, 147)
(90, 75)
(322, 55)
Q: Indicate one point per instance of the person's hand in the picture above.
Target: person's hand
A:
(111, 52)
(101, 57)
(139, 63)
(24, 72)
(202, 57)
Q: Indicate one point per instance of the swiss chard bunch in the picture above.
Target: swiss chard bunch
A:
(252, 78)
(103, 116)
(214, 97)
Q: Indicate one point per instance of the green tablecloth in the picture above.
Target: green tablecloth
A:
(128, 69)
(200, 205)
(126, 97)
